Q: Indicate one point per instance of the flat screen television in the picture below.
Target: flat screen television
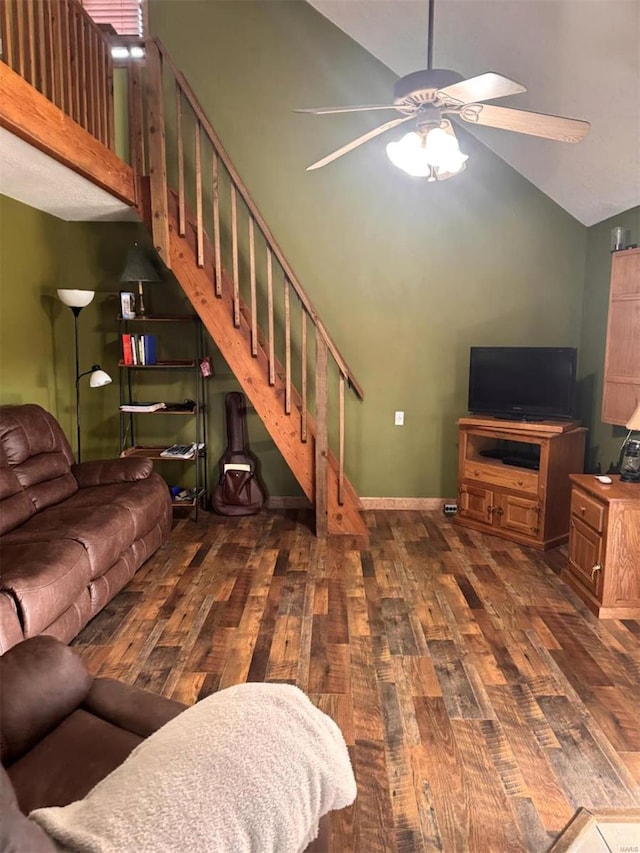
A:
(523, 383)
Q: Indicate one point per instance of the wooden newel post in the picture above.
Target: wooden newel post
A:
(322, 437)
(157, 153)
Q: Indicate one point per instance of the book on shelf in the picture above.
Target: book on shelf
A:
(142, 407)
(127, 351)
(139, 350)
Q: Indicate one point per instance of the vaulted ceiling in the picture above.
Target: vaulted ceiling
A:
(577, 58)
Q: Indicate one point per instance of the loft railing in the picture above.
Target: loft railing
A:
(57, 48)
(205, 179)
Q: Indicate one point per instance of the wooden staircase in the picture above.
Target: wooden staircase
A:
(195, 259)
(72, 70)
(251, 372)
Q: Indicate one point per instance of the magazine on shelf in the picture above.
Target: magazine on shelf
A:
(142, 407)
(181, 451)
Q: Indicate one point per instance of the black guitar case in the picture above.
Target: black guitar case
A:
(238, 491)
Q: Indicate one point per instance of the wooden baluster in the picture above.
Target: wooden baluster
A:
(322, 441)
(81, 82)
(341, 440)
(303, 369)
(182, 223)
(136, 120)
(93, 98)
(287, 345)
(252, 273)
(20, 39)
(31, 52)
(103, 122)
(199, 225)
(157, 154)
(272, 358)
(234, 249)
(67, 47)
(51, 52)
(215, 168)
(38, 49)
(7, 18)
(109, 108)
(95, 84)
(55, 42)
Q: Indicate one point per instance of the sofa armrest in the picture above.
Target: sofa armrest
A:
(43, 681)
(130, 708)
(102, 472)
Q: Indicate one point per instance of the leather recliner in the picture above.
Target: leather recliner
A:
(61, 732)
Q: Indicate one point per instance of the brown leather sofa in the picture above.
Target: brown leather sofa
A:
(71, 535)
(61, 732)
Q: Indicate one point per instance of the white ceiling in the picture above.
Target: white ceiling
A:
(34, 178)
(577, 58)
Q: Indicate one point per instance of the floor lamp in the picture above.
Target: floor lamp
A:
(77, 300)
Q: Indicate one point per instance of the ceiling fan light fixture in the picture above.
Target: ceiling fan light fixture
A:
(432, 153)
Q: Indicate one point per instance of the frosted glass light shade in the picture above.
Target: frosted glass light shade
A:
(433, 154)
(76, 298)
(99, 378)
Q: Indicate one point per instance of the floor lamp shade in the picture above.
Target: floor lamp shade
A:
(76, 298)
(139, 268)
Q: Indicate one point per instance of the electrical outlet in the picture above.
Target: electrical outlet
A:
(399, 419)
(450, 509)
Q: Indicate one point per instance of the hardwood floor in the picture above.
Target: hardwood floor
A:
(482, 704)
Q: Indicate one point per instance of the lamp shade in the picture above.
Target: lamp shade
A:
(99, 378)
(634, 421)
(76, 298)
(138, 267)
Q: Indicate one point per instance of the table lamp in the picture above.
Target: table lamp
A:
(138, 269)
(630, 451)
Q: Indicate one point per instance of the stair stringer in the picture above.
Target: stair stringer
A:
(216, 313)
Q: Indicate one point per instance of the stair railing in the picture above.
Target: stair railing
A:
(57, 48)
(197, 151)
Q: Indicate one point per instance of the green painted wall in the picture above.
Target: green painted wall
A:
(39, 254)
(406, 275)
(29, 274)
(604, 439)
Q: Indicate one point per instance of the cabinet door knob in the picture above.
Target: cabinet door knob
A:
(597, 568)
(499, 510)
(490, 509)
(583, 509)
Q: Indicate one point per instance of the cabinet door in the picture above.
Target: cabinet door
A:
(476, 503)
(622, 355)
(519, 514)
(585, 555)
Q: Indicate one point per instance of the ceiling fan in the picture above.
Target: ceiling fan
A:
(428, 98)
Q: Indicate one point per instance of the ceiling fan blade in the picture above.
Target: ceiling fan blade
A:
(523, 121)
(484, 87)
(359, 141)
(320, 111)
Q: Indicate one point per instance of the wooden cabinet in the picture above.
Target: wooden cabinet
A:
(604, 546)
(621, 391)
(513, 478)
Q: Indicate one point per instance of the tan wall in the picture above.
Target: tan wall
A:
(406, 275)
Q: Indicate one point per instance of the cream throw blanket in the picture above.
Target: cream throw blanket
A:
(252, 768)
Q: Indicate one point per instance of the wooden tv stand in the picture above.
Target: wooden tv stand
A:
(518, 501)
